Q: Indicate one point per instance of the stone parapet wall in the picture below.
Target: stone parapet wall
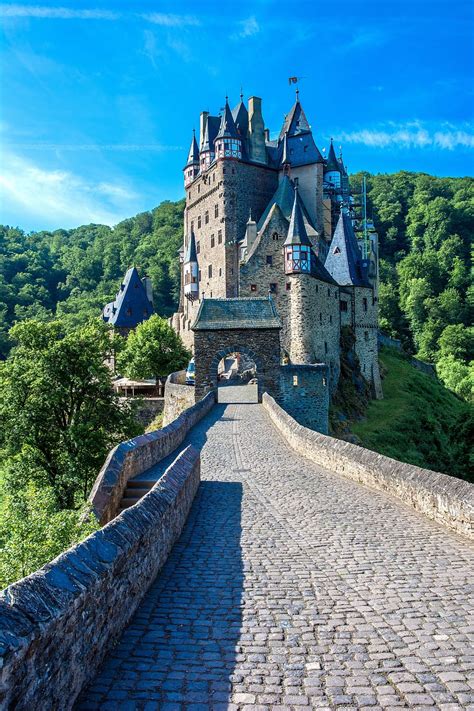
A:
(445, 499)
(57, 624)
(178, 396)
(304, 394)
(136, 456)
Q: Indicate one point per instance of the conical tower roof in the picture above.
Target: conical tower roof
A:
(332, 163)
(241, 119)
(191, 253)
(344, 260)
(227, 128)
(193, 155)
(295, 122)
(297, 231)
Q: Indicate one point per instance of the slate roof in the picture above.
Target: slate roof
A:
(227, 129)
(302, 150)
(297, 231)
(191, 253)
(344, 261)
(131, 305)
(236, 314)
(332, 162)
(210, 132)
(193, 155)
(241, 119)
(295, 122)
(283, 197)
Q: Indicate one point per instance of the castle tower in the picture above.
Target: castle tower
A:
(228, 142)
(191, 169)
(332, 171)
(257, 150)
(298, 256)
(191, 270)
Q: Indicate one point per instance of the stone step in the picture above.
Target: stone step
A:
(140, 484)
(135, 493)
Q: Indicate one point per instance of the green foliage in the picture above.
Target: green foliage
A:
(152, 349)
(58, 408)
(74, 273)
(33, 531)
(418, 421)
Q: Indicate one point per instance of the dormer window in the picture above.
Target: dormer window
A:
(336, 250)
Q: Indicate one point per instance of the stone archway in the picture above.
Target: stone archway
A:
(221, 386)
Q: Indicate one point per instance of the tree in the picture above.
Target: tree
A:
(153, 349)
(58, 407)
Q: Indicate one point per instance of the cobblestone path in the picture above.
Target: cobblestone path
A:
(294, 588)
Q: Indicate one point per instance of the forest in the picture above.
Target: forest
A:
(425, 226)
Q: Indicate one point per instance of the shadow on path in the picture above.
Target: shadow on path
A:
(180, 647)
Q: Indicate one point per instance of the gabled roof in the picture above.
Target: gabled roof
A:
(297, 231)
(191, 253)
(131, 305)
(236, 314)
(193, 155)
(284, 197)
(210, 132)
(332, 162)
(344, 260)
(241, 119)
(227, 129)
(295, 122)
(301, 150)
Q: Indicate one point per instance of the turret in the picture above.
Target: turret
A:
(332, 172)
(257, 149)
(297, 247)
(228, 142)
(191, 270)
(191, 169)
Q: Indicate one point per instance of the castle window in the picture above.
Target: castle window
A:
(213, 240)
(329, 292)
(317, 288)
(324, 382)
(220, 271)
(233, 171)
(288, 286)
(320, 318)
(209, 271)
(336, 250)
(199, 188)
(199, 275)
(335, 295)
(325, 347)
(219, 236)
(330, 318)
(364, 301)
(192, 225)
(273, 288)
(295, 380)
(253, 287)
(206, 217)
(269, 259)
(232, 272)
(199, 222)
(366, 335)
(198, 247)
(343, 305)
(275, 236)
(216, 210)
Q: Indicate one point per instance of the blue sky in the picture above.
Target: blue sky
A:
(98, 99)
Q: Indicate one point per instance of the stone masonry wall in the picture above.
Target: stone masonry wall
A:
(445, 499)
(260, 345)
(366, 333)
(136, 456)
(304, 394)
(57, 624)
(178, 396)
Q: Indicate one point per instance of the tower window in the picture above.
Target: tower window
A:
(320, 318)
(343, 305)
(220, 271)
(253, 287)
(216, 210)
(288, 286)
(199, 275)
(325, 347)
(273, 288)
(366, 335)
(295, 380)
(364, 302)
(199, 188)
(330, 318)
(213, 240)
(336, 250)
(329, 292)
(269, 259)
(275, 236)
(206, 217)
(198, 247)
(209, 271)
(199, 222)
(219, 236)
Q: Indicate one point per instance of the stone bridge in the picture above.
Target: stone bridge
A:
(294, 587)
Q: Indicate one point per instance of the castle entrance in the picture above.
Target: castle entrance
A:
(237, 341)
(237, 379)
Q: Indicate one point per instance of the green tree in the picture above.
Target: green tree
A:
(153, 349)
(59, 411)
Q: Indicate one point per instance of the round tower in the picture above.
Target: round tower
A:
(191, 169)
(228, 142)
(191, 270)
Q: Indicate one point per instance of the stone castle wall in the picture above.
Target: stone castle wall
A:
(57, 624)
(366, 334)
(178, 396)
(445, 499)
(304, 394)
(136, 456)
(310, 184)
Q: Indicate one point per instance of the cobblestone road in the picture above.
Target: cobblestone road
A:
(293, 588)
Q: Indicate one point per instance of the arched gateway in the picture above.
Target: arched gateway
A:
(248, 326)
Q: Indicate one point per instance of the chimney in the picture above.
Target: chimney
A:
(146, 281)
(256, 131)
(250, 233)
(202, 127)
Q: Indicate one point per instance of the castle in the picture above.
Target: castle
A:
(274, 217)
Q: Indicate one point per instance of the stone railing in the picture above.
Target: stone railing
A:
(444, 498)
(136, 456)
(57, 624)
(178, 396)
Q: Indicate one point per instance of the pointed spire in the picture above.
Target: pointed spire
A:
(227, 128)
(344, 260)
(193, 155)
(332, 162)
(191, 253)
(295, 122)
(297, 231)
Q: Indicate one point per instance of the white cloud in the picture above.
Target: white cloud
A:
(247, 28)
(170, 20)
(61, 13)
(412, 134)
(60, 197)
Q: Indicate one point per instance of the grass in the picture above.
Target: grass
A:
(419, 421)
